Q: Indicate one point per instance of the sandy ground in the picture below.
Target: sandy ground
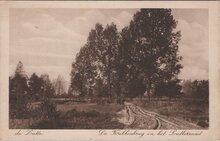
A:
(135, 117)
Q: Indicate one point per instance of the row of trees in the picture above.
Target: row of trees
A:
(141, 59)
(196, 89)
(24, 90)
(34, 87)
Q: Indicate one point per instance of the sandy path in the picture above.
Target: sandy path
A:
(135, 117)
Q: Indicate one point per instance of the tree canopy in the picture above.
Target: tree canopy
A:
(139, 58)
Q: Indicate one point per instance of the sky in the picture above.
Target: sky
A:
(47, 40)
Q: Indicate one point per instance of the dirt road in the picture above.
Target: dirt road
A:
(135, 117)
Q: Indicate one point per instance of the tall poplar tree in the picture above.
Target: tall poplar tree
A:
(153, 46)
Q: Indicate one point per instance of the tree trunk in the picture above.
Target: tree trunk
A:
(148, 94)
(109, 85)
(149, 90)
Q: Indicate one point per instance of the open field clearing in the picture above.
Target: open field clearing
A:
(107, 108)
(196, 112)
(75, 116)
(135, 114)
(139, 118)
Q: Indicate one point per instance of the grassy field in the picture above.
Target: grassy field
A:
(73, 115)
(83, 116)
(196, 112)
(87, 115)
(106, 108)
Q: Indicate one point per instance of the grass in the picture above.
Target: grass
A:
(86, 107)
(74, 119)
(80, 115)
(74, 116)
(193, 111)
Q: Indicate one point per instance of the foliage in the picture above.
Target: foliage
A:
(203, 124)
(100, 89)
(79, 120)
(196, 89)
(18, 101)
(48, 110)
(96, 60)
(47, 88)
(23, 91)
(35, 87)
(201, 89)
(140, 57)
(40, 88)
(153, 46)
(187, 88)
(59, 85)
(169, 89)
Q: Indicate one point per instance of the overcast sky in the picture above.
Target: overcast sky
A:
(47, 40)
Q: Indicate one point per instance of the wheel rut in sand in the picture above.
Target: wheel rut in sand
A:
(135, 117)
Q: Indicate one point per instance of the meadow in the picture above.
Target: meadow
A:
(66, 114)
(191, 110)
(71, 115)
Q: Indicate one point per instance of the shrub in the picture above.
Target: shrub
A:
(164, 111)
(79, 120)
(18, 107)
(74, 113)
(46, 110)
(52, 124)
(203, 124)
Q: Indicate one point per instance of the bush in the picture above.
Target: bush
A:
(74, 113)
(46, 110)
(79, 120)
(164, 111)
(203, 124)
(18, 106)
(52, 124)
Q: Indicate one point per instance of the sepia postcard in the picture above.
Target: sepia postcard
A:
(110, 70)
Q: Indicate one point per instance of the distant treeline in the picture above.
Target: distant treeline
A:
(24, 91)
(38, 88)
(197, 89)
